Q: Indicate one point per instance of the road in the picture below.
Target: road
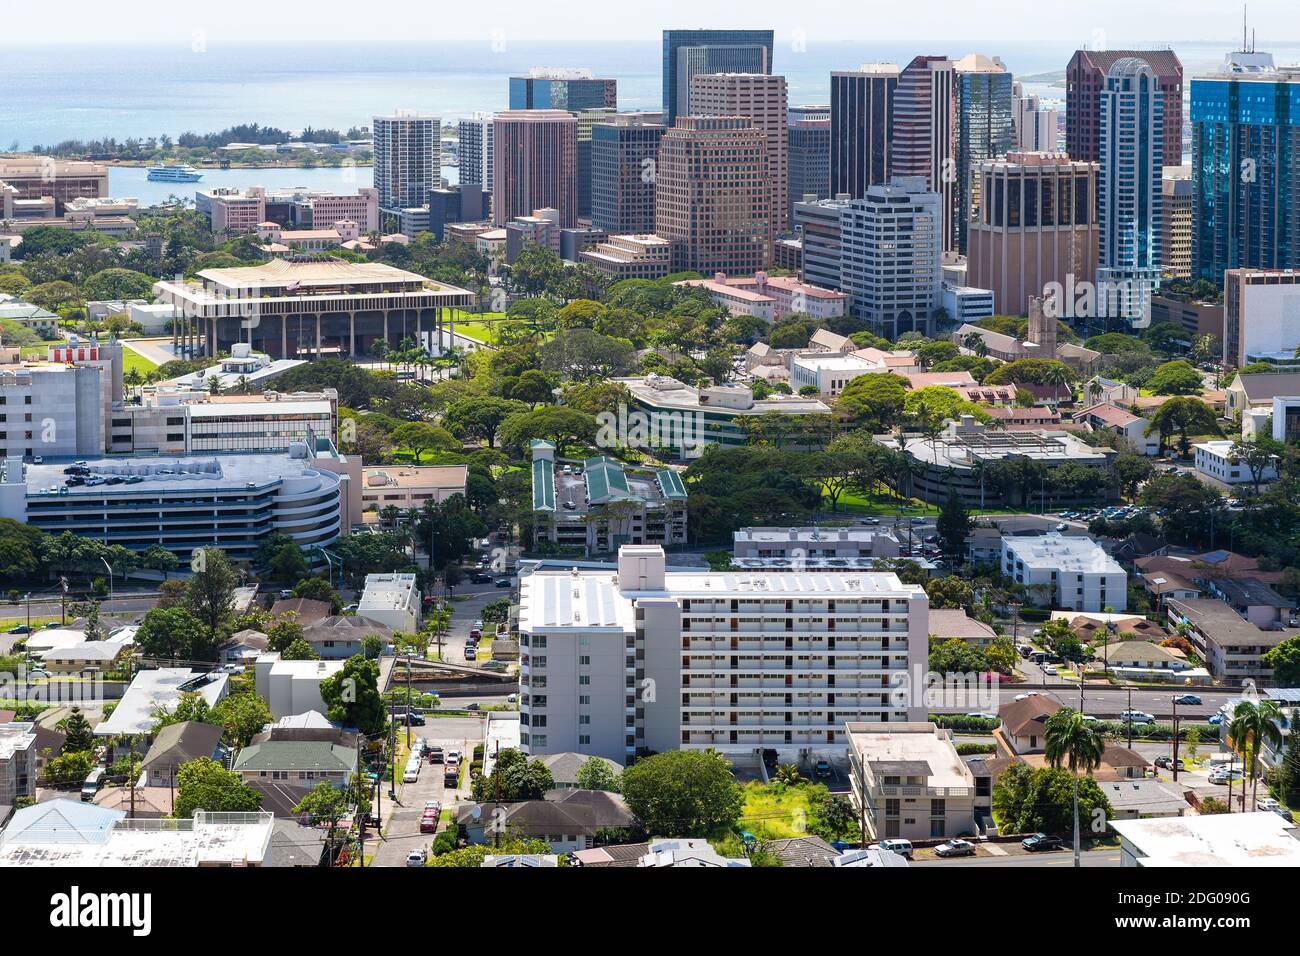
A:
(402, 827)
(463, 615)
(1104, 700)
(1089, 858)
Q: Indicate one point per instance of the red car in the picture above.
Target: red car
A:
(429, 823)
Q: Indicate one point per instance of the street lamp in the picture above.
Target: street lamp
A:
(104, 562)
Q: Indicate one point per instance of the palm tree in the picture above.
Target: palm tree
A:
(1056, 375)
(1254, 724)
(1069, 740)
(788, 774)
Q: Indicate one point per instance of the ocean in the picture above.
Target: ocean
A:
(65, 92)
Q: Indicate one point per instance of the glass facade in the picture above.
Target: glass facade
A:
(1245, 174)
(984, 131)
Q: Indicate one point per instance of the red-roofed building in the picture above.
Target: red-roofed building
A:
(1121, 423)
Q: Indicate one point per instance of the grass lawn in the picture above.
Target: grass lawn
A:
(773, 812)
(11, 618)
(134, 360)
(887, 507)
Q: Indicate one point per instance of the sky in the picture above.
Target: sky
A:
(1094, 23)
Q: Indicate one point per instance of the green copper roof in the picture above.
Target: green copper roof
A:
(671, 483)
(543, 485)
(606, 480)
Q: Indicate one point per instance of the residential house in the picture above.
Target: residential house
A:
(564, 768)
(1254, 600)
(177, 744)
(1144, 799)
(1023, 723)
(953, 623)
(306, 611)
(1130, 429)
(1211, 840)
(339, 637)
(304, 763)
(85, 656)
(567, 820)
(291, 687)
(17, 761)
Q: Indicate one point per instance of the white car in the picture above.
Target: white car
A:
(1137, 717)
(1032, 693)
(1224, 776)
(512, 698)
(453, 757)
(417, 857)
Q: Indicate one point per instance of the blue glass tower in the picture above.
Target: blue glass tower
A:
(688, 52)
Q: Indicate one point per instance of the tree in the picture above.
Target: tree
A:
(203, 784)
(421, 437)
(120, 284)
(316, 588)
(351, 696)
(596, 774)
(158, 558)
(170, 633)
(585, 355)
(949, 591)
(1070, 741)
(1130, 471)
(481, 416)
(80, 736)
(70, 767)
(1284, 661)
(299, 650)
(1183, 417)
(683, 793)
(1255, 724)
(1258, 454)
(1175, 378)
(955, 656)
(1289, 776)
(326, 803)
(241, 716)
(288, 563)
(1001, 655)
(211, 596)
(514, 777)
(954, 526)
(1026, 800)
(283, 632)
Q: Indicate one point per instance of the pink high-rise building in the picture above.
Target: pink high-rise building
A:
(924, 134)
(535, 160)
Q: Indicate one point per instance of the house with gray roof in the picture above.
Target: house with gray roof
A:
(567, 820)
(564, 768)
(301, 762)
(177, 744)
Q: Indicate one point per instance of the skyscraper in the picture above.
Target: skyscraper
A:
(810, 156)
(475, 152)
(1129, 189)
(1037, 226)
(687, 52)
(862, 112)
(1035, 124)
(891, 256)
(985, 129)
(712, 195)
(1085, 77)
(1176, 238)
(548, 88)
(408, 154)
(1245, 153)
(624, 154)
(762, 98)
(535, 155)
(587, 120)
(924, 132)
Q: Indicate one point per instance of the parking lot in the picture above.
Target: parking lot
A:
(401, 833)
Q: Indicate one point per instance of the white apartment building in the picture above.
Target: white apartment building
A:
(408, 158)
(17, 761)
(1217, 460)
(181, 421)
(1074, 572)
(908, 781)
(1035, 123)
(803, 543)
(891, 256)
(738, 662)
(291, 687)
(393, 600)
(1261, 317)
(50, 408)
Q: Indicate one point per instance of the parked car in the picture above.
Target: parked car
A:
(286, 594)
(471, 651)
(411, 774)
(20, 629)
(453, 757)
(902, 847)
(415, 720)
(480, 577)
(1168, 763)
(504, 583)
(1214, 719)
(417, 857)
(1225, 775)
(822, 768)
(955, 848)
(1042, 841)
(1188, 700)
(1137, 717)
(512, 698)
(435, 755)
(429, 823)
(1268, 803)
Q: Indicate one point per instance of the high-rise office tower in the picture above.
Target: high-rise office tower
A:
(820, 227)
(1176, 238)
(1035, 124)
(547, 88)
(891, 256)
(587, 120)
(1245, 154)
(1085, 78)
(984, 129)
(624, 154)
(810, 156)
(862, 112)
(924, 132)
(475, 153)
(408, 158)
(688, 52)
(1129, 188)
(713, 195)
(762, 98)
(1037, 226)
(535, 155)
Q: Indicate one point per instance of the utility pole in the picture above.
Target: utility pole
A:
(1130, 718)
(130, 768)
(361, 819)
(1176, 719)
(408, 701)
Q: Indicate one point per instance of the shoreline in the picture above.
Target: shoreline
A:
(146, 163)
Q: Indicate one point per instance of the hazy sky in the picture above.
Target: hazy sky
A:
(1099, 23)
